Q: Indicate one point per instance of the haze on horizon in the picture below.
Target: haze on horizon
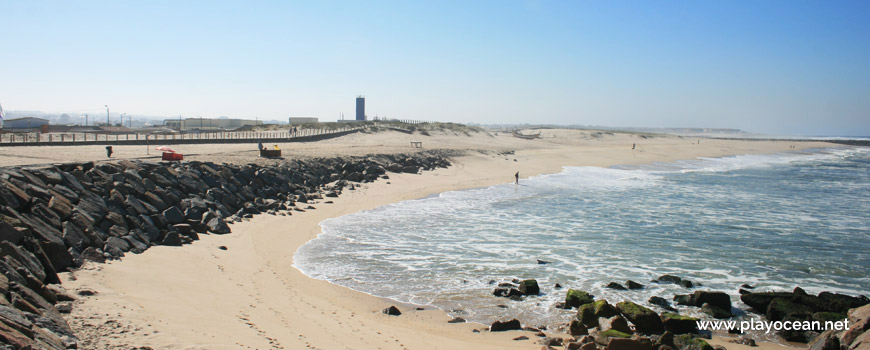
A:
(777, 67)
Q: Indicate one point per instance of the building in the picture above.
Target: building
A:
(24, 123)
(301, 120)
(360, 108)
(208, 124)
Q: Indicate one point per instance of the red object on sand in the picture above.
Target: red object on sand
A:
(172, 156)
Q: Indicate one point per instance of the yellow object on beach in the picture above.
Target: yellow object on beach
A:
(276, 147)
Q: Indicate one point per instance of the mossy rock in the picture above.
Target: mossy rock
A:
(689, 342)
(674, 316)
(760, 301)
(779, 308)
(716, 312)
(529, 287)
(683, 299)
(828, 316)
(577, 298)
(588, 314)
(612, 333)
(645, 320)
(679, 324)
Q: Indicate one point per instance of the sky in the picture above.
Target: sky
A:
(772, 66)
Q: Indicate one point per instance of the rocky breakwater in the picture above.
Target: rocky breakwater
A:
(56, 218)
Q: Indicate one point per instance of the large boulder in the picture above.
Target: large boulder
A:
(616, 323)
(645, 320)
(780, 308)
(679, 324)
(529, 287)
(173, 215)
(859, 323)
(689, 342)
(589, 313)
(577, 298)
(499, 326)
(760, 301)
(618, 343)
(217, 225)
(716, 299)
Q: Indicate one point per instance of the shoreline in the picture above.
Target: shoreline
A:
(261, 249)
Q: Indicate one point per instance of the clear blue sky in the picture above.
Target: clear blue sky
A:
(782, 67)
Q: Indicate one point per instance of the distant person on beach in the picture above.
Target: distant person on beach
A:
(260, 145)
(632, 145)
(108, 151)
(517, 178)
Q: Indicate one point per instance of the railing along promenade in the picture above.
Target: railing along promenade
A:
(80, 138)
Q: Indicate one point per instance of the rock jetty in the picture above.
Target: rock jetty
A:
(54, 218)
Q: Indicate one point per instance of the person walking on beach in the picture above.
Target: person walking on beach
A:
(517, 178)
(632, 145)
(108, 151)
(260, 145)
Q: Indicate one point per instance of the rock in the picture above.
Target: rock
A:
(645, 320)
(173, 215)
(64, 307)
(661, 302)
(826, 341)
(223, 247)
(716, 299)
(456, 320)
(551, 341)
(779, 308)
(172, 239)
(616, 323)
(529, 287)
(618, 343)
(760, 301)
(507, 292)
(684, 299)
(604, 337)
(861, 343)
(686, 284)
(679, 324)
(589, 314)
(575, 328)
(543, 262)
(746, 286)
(669, 279)
(217, 225)
(498, 326)
(616, 286)
(689, 342)
(577, 298)
(522, 337)
(744, 341)
(716, 312)
(93, 254)
(859, 323)
(119, 243)
(633, 285)
(392, 311)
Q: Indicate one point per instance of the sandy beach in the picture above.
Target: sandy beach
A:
(249, 295)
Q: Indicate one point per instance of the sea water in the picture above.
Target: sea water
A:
(772, 221)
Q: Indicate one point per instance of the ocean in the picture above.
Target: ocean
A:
(773, 221)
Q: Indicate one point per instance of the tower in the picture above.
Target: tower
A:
(360, 108)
